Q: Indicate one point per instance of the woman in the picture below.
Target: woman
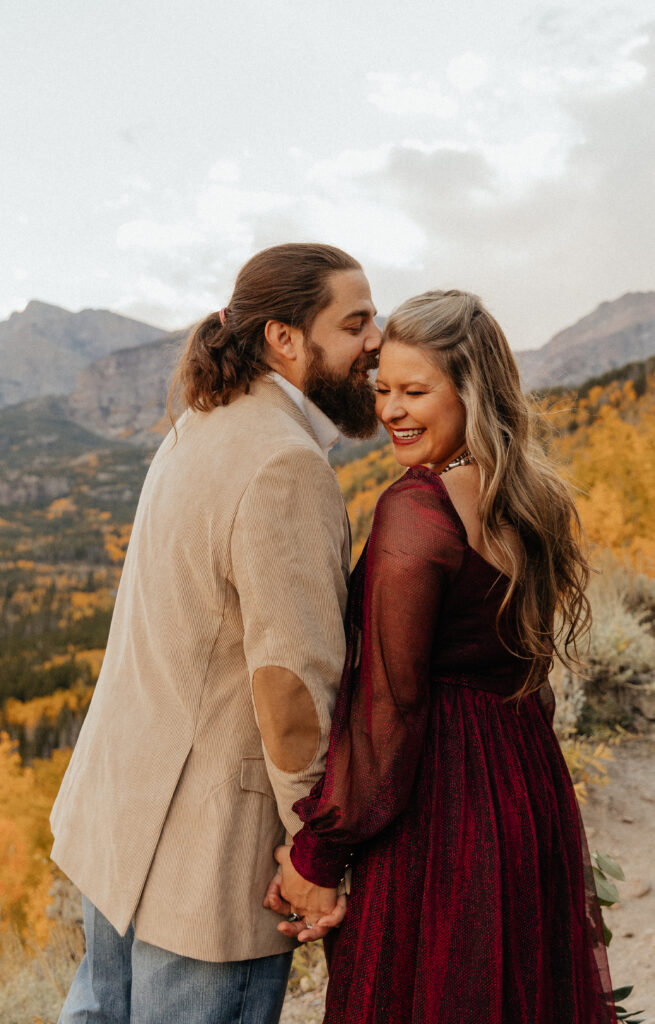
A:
(445, 786)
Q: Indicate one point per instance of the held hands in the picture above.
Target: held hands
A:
(289, 892)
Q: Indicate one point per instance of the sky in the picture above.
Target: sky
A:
(149, 147)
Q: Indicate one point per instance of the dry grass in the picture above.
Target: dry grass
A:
(34, 981)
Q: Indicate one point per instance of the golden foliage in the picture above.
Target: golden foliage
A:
(83, 602)
(605, 444)
(60, 507)
(362, 483)
(116, 541)
(93, 658)
(587, 763)
(30, 713)
(26, 796)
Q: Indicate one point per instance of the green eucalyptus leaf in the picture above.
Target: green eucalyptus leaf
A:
(609, 866)
(622, 993)
(607, 938)
(606, 890)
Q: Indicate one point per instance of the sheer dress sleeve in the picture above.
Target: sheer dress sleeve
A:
(415, 548)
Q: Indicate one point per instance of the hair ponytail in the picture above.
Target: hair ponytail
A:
(213, 366)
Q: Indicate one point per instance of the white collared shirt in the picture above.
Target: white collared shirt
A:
(327, 434)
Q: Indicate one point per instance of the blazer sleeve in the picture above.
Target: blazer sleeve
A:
(287, 550)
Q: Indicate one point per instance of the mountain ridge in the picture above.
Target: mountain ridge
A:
(614, 333)
(43, 347)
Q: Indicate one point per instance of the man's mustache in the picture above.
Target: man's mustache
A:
(366, 362)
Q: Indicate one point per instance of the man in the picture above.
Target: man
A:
(212, 711)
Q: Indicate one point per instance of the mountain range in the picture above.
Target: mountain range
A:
(43, 348)
(110, 374)
(615, 333)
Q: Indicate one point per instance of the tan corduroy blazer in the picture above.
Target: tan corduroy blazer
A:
(212, 711)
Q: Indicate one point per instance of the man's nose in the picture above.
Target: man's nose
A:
(373, 338)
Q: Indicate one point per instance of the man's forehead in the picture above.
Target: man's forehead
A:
(351, 294)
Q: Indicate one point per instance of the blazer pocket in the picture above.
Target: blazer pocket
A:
(254, 776)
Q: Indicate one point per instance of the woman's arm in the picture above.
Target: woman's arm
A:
(415, 548)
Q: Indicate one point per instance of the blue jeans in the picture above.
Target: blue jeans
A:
(126, 981)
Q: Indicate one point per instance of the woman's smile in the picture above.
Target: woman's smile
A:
(407, 436)
(419, 407)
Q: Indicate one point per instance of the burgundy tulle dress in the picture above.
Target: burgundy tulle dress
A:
(471, 901)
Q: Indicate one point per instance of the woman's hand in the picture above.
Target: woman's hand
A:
(299, 929)
(289, 891)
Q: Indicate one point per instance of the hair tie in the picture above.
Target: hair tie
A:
(222, 313)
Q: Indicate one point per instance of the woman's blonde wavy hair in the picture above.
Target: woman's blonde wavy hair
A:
(519, 487)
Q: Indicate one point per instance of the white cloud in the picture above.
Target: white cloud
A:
(550, 253)
(539, 197)
(373, 231)
(414, 95)
(226, 171)
(333, 174)
(467, 72)
(185, 264)
(151, 235)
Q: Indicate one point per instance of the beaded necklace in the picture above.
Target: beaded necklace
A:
(465, 459)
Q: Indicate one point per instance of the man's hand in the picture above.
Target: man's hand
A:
(289, 891)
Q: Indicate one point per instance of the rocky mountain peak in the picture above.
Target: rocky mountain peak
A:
(44, 347)
(613, 334)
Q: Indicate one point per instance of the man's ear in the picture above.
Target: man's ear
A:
(285, 343)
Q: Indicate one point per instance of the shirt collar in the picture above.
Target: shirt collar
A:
(327, 434)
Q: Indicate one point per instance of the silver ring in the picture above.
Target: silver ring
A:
(294, 917)
(309, 926)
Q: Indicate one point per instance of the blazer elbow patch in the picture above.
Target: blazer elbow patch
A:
(287, 717)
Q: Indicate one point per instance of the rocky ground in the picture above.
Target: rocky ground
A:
(620, 820)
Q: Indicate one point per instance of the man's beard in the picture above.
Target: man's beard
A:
(348, 401)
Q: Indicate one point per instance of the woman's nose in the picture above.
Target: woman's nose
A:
(391, 408)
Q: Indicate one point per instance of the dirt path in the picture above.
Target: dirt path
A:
(620, 820)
